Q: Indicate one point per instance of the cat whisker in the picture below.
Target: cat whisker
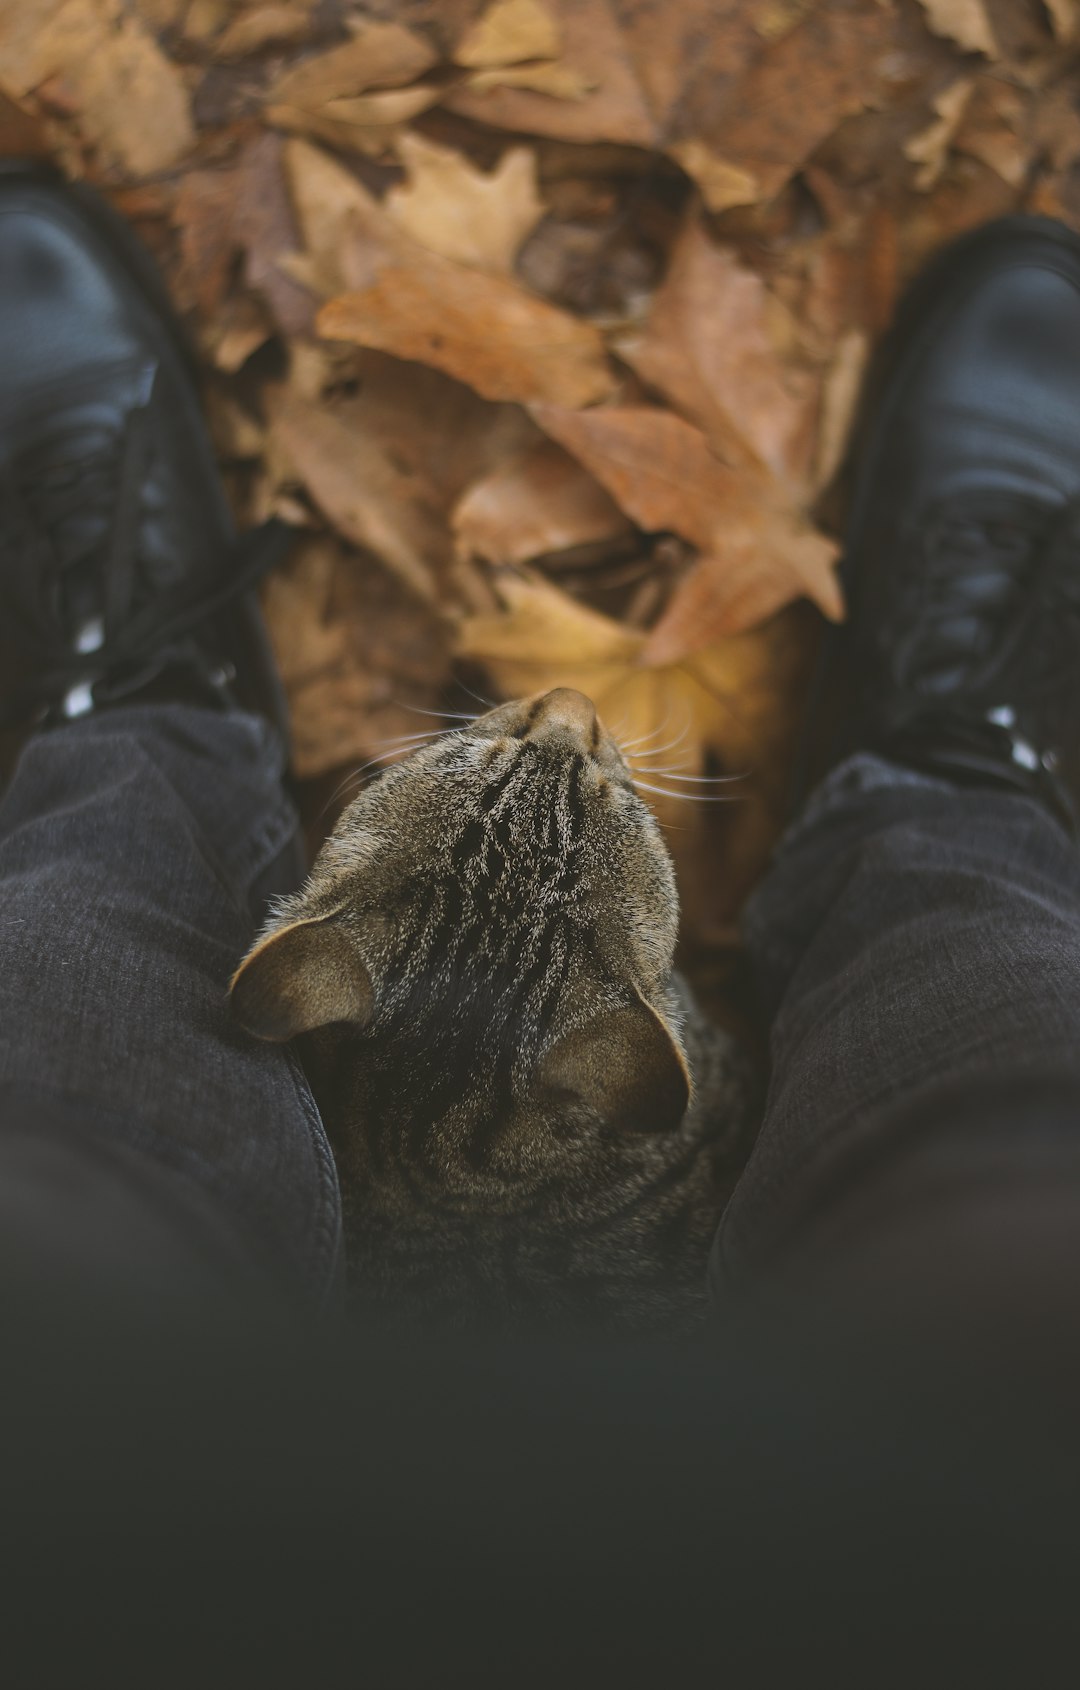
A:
(411, 739)
(699, 780)
(488, 703)
(686, 797)
(624, 745)
(355, 777)
(668, 745)
(658, 750)
(442, 715)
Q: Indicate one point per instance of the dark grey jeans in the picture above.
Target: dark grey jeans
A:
(918, 949)
(917, 952)
(140, 1131)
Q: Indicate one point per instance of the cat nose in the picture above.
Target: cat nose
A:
(566, 708)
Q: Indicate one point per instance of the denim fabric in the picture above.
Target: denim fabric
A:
(917, 952)
(132, 845)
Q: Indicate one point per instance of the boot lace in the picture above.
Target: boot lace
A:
(994, 619)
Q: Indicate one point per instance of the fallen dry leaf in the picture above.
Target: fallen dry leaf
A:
(380, 55)
(742, 142)
(362, 123)
(259, 26)
(541, 502)
(203, 19)
(994, 127)
(1064, 17)
(561, 81)
(23, 134)
(839, 402)
(358, 657)
(130, 100)
(929, 149)
(695, 80)
(482, 329)
(474, 216)
(205, 214)
(360, 487)
(963, 21)
(723, 184)
(719, 348)
(267, 232)
(436, 427)
(613, 109)
(509, 31)
(759, 552)
(332, 208)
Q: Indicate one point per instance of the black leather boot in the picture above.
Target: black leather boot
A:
(121, 573)
(962, 554)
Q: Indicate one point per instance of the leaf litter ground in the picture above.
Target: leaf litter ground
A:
(544, 322)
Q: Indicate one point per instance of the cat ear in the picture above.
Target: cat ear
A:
(626, 1066)
(304, 976)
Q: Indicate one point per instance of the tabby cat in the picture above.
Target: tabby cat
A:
(531, 1119)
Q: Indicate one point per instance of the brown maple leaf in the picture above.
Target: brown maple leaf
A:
(758, 551)
(476, 217)
(484, 330)
(540, 502)
(740, 107)
(722, 350)
(362, 489)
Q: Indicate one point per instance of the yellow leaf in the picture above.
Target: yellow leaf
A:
(470, 215)
(257, 26)
(963, 21)
(509, 31)
(929, 149)
(559, 80)
(722, 184)
(1065, 18)
(381, 55)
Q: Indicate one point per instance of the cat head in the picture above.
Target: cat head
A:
(490, 928)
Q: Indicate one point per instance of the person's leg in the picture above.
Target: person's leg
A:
(917, 947)
(141, 1133)
(131, 843)
(917, 941)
